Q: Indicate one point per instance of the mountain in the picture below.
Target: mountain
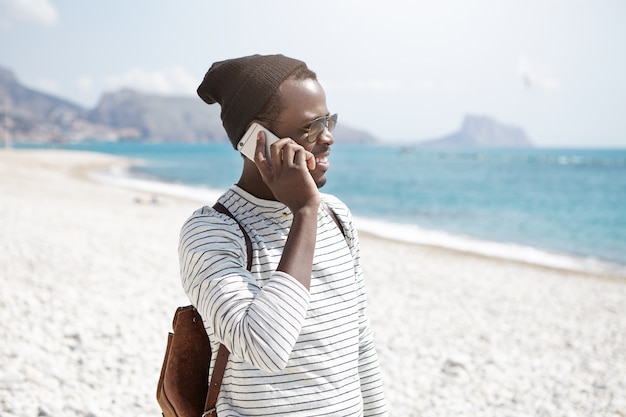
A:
(28, 111)
(27, 115)
(482, 132)
(348, 135)
(159, 118)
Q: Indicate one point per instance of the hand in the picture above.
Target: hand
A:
(287, 174)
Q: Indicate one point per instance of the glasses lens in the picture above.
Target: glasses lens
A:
(318, 126)
(332, 122)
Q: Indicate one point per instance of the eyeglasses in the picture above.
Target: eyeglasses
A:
(316, 127)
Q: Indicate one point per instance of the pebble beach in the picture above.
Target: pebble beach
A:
(89, 284)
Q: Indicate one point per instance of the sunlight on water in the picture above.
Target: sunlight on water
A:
(543, 205)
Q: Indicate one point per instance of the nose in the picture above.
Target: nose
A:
(325, 137)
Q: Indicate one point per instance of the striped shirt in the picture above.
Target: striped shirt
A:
(293, 352)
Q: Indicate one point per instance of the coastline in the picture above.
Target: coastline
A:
(404, 233)
(91, 282)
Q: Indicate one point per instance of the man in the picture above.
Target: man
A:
(296, 324)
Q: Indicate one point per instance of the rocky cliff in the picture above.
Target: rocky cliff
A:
(27, 115)
(159, 118)
(482, 132)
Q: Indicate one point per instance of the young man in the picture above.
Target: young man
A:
(296, 324)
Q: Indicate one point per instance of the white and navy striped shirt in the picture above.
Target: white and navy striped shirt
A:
(293, 352)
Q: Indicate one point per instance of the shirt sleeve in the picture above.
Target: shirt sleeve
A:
(258, 325)
(374, 402)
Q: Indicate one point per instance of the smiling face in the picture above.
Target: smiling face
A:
(298, 101)
(303, 101)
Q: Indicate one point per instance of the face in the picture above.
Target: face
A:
(303, 102)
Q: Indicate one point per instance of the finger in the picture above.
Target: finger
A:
(277, 149)
(261, 162)
(290, 153)
(310, 160)
(305, 157)
(300, 156)
(259, 151)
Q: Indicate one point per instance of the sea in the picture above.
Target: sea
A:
(563, 208)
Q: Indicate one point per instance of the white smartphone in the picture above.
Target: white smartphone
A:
(247, 144)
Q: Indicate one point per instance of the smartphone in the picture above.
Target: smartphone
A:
(247, 144)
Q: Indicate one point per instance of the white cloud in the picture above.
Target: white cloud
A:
(537, 75)
(31, 11)
(85, 83)
(173, 80)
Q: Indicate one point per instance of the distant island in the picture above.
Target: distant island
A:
(481, 132)
(31, 116)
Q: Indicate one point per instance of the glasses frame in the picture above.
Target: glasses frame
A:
(325, 120)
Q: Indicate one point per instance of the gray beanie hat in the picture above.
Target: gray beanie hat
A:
(242, 86)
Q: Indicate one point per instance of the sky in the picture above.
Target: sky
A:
(400, 70)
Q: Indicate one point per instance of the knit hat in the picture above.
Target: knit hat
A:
(242, 86)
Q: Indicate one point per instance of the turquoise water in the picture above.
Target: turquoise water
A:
(570, 202)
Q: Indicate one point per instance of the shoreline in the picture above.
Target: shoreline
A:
(618, 277)
(91, 281)
(403, 233)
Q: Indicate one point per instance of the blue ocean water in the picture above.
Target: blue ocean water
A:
(557, 201)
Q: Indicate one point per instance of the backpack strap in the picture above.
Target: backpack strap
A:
(220, 207)
(335, 218)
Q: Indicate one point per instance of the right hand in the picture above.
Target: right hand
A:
(287, 175)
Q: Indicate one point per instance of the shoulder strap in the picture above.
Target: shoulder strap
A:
(335, 219)
(213, 391)
(222, 353)
(220, 207)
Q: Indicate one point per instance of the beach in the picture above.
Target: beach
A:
(90, 282)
